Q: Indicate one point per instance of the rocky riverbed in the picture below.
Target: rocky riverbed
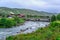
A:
(27, 27)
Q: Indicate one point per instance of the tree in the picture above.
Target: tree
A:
(53, 18)
(3, 21)
(17, 19)
(58, 17)
(7, 23)
(3, 14)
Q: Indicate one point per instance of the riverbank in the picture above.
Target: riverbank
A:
(51, 32)
(11, 22)
(27, 27)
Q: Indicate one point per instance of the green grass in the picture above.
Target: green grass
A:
(58, 21)
(47, 33)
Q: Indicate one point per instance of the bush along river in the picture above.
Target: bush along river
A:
(27, 27)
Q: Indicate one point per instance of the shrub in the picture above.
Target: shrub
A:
(55, 23)
(7, 23)
(58, 17)
(53, 18)
(10, 22)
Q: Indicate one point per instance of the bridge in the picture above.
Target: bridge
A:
(38, 19)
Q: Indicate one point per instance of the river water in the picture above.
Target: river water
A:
(27, 27)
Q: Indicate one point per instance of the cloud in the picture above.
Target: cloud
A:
(42, 5)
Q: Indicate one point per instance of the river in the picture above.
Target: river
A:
(27, 27)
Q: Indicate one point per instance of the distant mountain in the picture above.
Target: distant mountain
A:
(23, 11)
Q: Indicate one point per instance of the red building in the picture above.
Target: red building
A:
(21, 15)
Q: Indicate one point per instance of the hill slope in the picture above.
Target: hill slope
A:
(23, 11)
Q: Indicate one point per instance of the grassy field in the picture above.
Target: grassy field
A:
(48, 33)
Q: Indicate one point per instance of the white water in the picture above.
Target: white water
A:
(27, 27)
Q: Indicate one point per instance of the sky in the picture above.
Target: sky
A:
(40, 5)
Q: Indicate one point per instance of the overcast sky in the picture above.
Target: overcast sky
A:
(41, 5)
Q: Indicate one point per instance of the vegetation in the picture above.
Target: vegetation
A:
(53, 18)
(5, 23)
(5, 10)
(33, 16)
(51, 32)
(58, 17)
(10, 22)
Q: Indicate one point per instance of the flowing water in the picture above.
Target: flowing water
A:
(27, 27)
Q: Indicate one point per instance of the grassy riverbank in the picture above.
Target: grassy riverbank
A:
(51, 32)
(10, 22)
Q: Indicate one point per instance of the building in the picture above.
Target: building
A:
(11, 15)
(21, 15)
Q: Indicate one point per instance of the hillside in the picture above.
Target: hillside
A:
(23, 11)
